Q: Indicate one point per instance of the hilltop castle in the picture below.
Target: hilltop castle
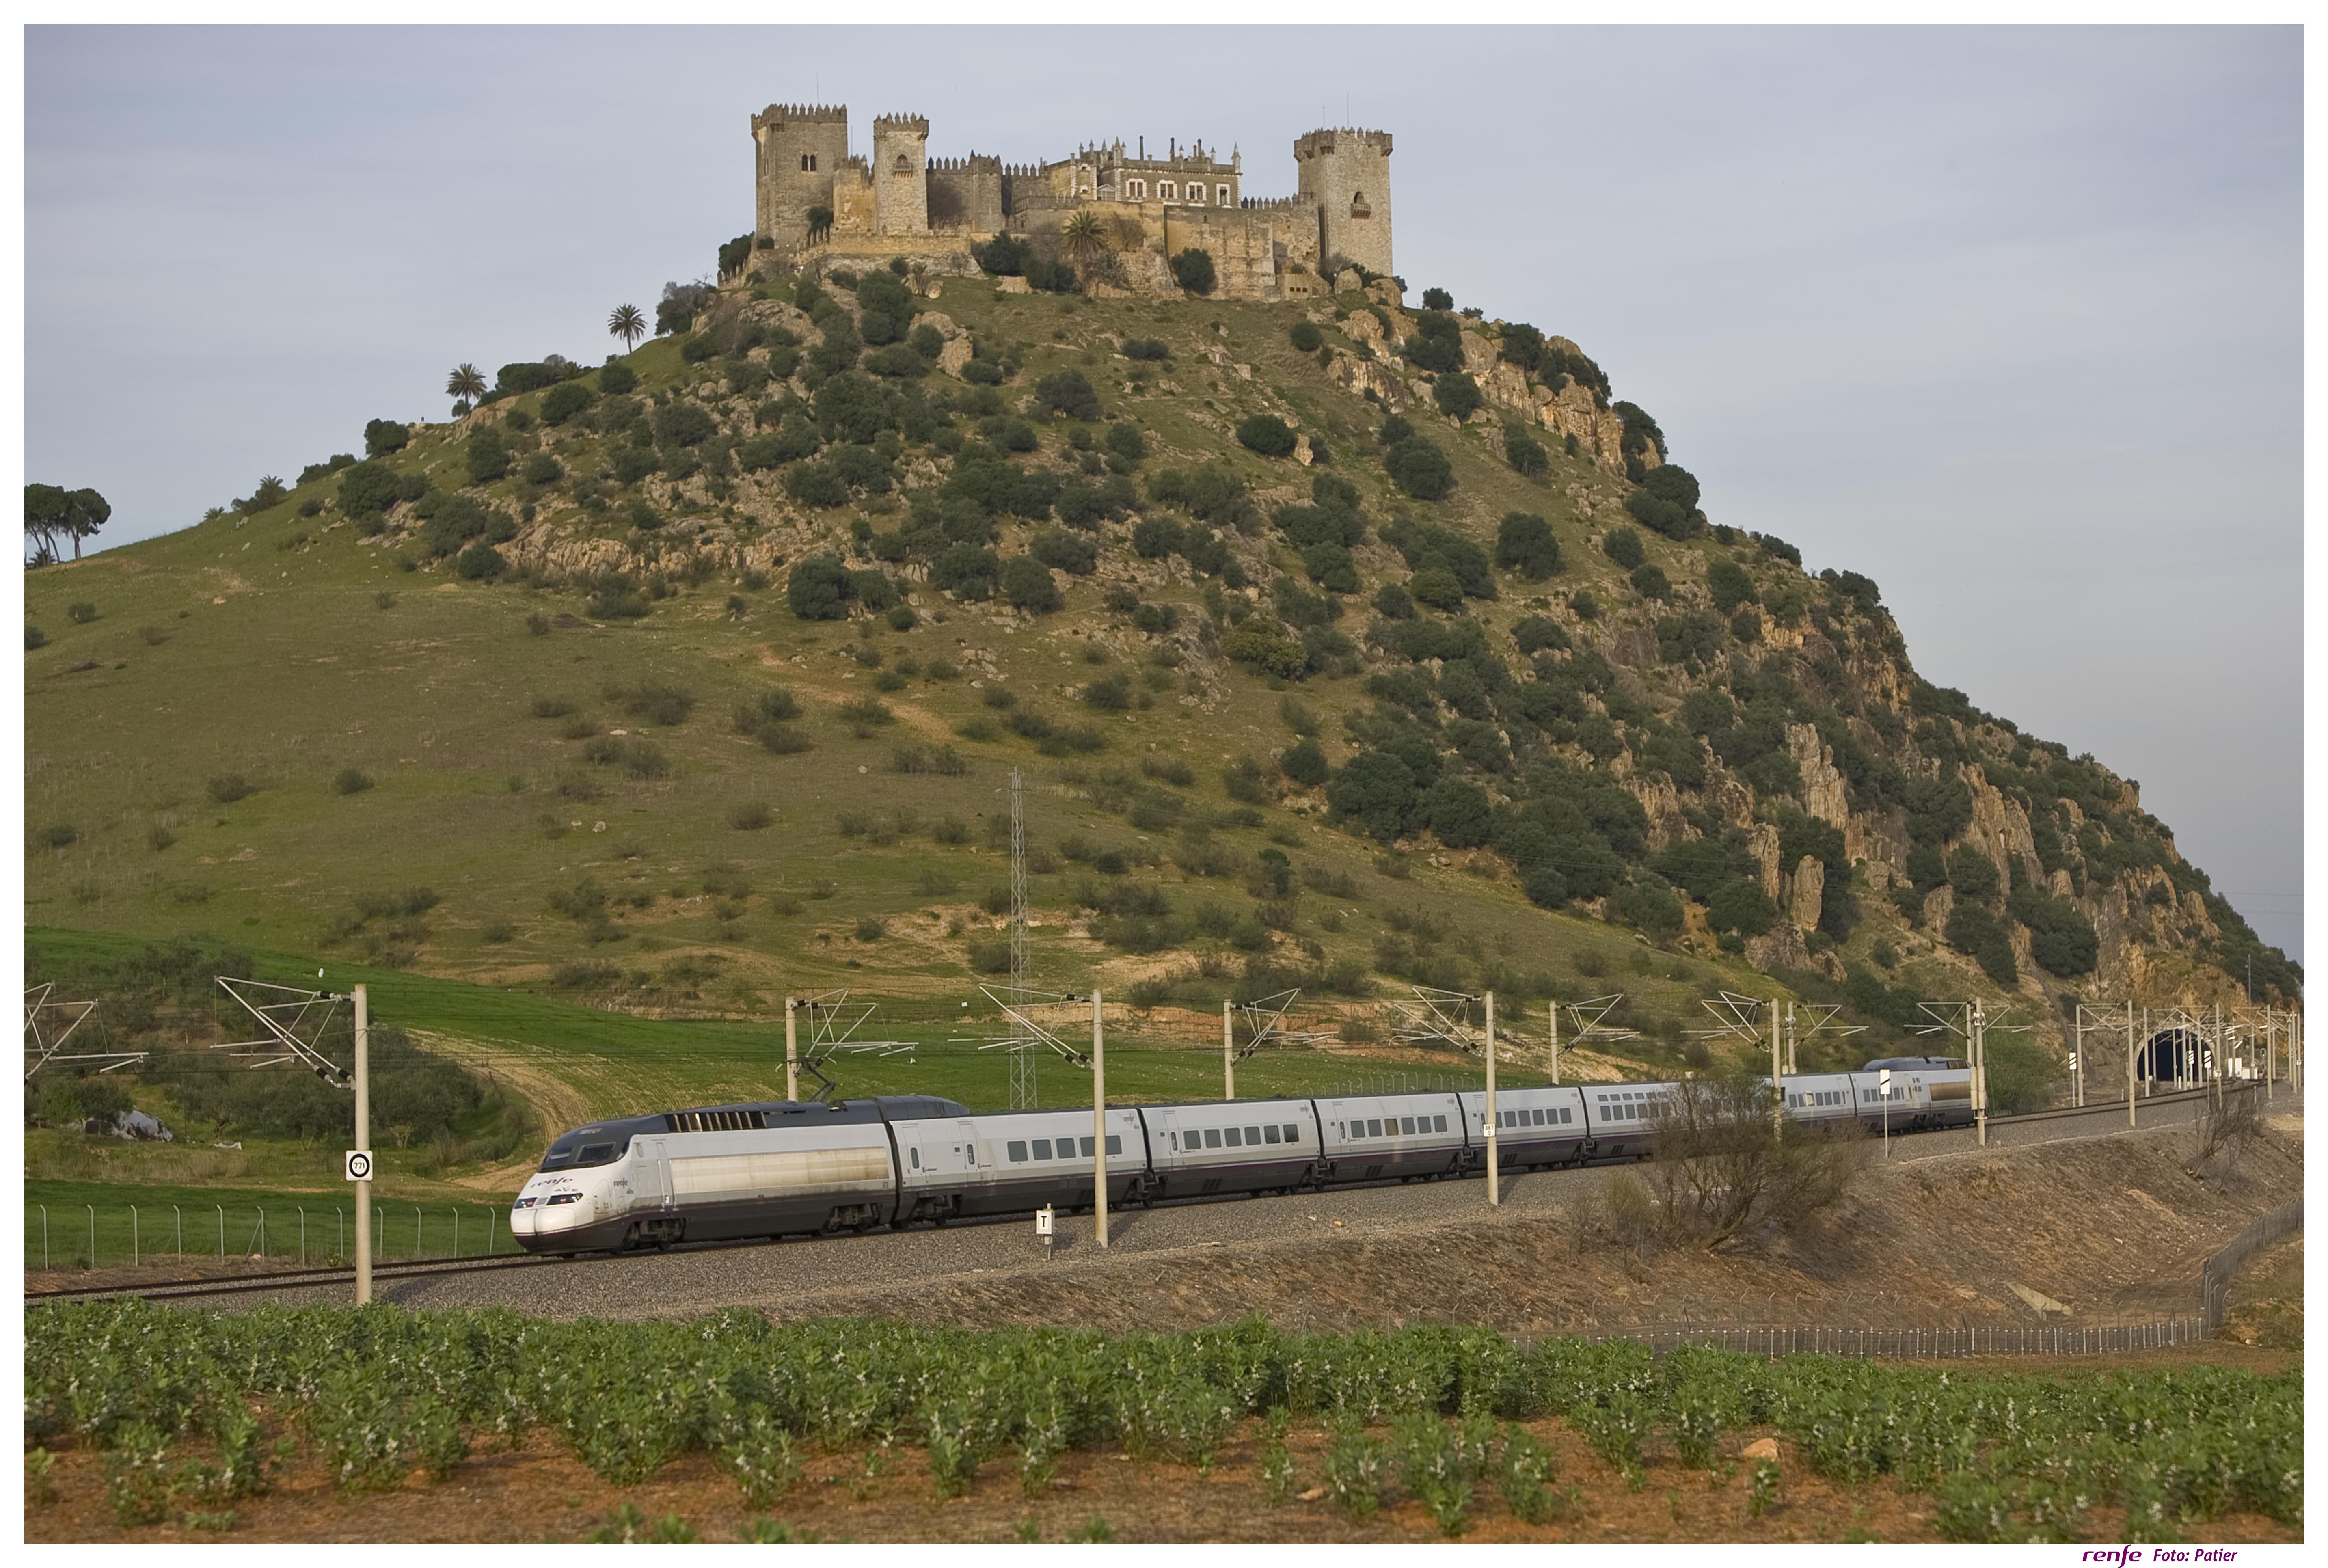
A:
(815, 204)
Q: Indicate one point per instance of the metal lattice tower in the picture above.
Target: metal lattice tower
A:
(1022, 958)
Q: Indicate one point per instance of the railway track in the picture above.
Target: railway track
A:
(288, 1280)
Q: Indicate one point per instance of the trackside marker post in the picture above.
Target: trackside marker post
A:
(360, 1157)
(1099, 1121)
(1494, 1193)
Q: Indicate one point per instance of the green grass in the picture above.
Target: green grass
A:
(135, 1223)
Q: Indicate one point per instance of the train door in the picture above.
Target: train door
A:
(652, 1186)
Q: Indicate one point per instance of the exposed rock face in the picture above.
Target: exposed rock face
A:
(1803, 904)
(1999, 829)
(1782, 948)
(1823, 791)
(1661, 802)
(1363, 376)
(1762, 843)
(1939, 905)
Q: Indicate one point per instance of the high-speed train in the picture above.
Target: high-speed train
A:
(788, 1168)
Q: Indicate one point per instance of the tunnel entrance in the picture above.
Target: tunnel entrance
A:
(2170, 1056)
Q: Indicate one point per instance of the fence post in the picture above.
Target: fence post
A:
(492, 1216)
(92, 1235)
(341, 1252)
(221, 1216)
(262, 1236)
(456, 1230)
(136, 1252)
(418, 1248)
(181, 1218)
(44, 1237)
(302, 1238)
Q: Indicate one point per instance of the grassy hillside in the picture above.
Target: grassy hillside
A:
(561, 733)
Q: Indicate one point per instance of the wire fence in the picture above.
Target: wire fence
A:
(86, 1236)
(2216, 1274)
(1944, 1341)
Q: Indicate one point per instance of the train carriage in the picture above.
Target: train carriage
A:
(1013, 1162)
(1376, 1137)
(1534, 1127)
(1231, 1146)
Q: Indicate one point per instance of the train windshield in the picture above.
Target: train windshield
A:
(590, 1146)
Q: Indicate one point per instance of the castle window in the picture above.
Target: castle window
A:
(902, 166)
(1164, 190)
(1135, 190)
(1220, 196)
(808, 162)
(1358, 208)
(1196, 194)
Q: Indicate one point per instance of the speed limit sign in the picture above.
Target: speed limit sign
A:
(359, 1164)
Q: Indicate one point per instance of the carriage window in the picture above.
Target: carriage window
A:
(1115, 1143)
(1042, 1149)
(1252, 1134)
(1406, 1123)
(1292, 1134)
(914, 1158)
(1439, 1123)
(1374, 1128)
(1212, 1138)
(1234, 1137)
(1269, 1135)
(1015, 1148)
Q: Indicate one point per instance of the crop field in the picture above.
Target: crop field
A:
(150, 1424)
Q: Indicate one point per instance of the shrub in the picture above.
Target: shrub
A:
(1456, 396)
(368, 488)
(1651, 583)
(750, 817)
(966, 570)
(541, 469)
(684, 425)
(819, 589)
(1267, 435)
(1525, 543)
(1623, 546)
(229, 787)
(1306, 336)
(485, 453)
(1524, 452)
(1068, 392)
(1586, 606)
(1265, 643)
(1069, 553)
(1004, 256)
(1729, 583)
(1151, 350)
(1420, 469)
(565, 400)
(1438, 299)
(1026, 584)
(1192, 269)
(382, 437)
(81, 613)
(614, 379)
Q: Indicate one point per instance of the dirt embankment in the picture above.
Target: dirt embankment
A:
(2107, 1229)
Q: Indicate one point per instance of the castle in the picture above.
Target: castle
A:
(817, 205)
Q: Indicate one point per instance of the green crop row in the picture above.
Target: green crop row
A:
(381, 1393)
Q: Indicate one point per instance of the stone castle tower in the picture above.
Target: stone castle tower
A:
(815, 205)
(1347, 172)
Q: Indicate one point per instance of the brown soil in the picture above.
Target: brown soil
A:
(540, 1493)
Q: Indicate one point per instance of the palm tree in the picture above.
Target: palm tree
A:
(1083, 237)
(627, 324)
(466, 383)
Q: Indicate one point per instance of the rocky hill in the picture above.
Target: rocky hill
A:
(1340, 642)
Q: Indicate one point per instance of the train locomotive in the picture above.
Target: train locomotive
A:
(787, 1167)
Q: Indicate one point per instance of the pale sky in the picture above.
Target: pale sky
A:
(2009, 319)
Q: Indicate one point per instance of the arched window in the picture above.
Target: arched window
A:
(808, 162)
(1220, 196)
(902, 166)
(1358, 208)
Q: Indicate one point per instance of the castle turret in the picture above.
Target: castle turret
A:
(799, 147)
(1347, 173)
(901, 190)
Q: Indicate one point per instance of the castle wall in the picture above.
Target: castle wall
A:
(1347, 173)
(901, 187)
(855, 207)
(1148, 234)
(966, 194)
(797, 151)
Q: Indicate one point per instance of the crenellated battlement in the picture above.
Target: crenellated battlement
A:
(779, 114)
(1177, 194)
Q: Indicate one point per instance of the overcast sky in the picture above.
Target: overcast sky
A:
(2008, 319)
